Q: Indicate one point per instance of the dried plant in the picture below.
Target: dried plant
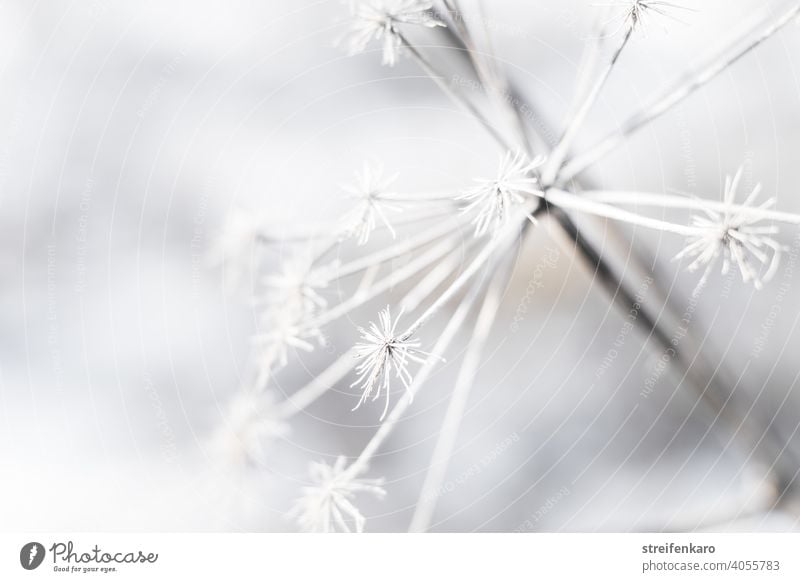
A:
(534, 179)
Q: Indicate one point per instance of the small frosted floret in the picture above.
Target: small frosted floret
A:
(292, 299)
(384, 353)
(740, 238)
(298, 283)
(636, 11)
(327, 505)
(285, 329)
(380, 20)
(370, 189)
(249, 425)
(495, 199)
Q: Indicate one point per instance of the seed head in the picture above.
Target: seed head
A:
(250, 423)
(382, 352)
(298, 283)
(289, 327)
(369, 189)
(634, 12)
(381, 19)
(735, 235)
(327, 505)
(494, 200)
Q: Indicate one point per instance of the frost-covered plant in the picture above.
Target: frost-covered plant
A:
(382, 20)
(494, 199)
(327, 504)
(534, 179)
(382, 351)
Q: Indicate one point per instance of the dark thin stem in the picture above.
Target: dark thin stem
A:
(605, 274)
(705, 381)
(455, 96)
(615, 286)
(519, 104)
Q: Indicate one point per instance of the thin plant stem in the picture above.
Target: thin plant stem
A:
(682, 202)
(328, 378)
(318, 386)
(613, 284)
(574, 202)
(587, 68)
(494, 83)
(455, 96)
(264, 369)
(432, 280)
(559, 153)
(704, 383)
(672, 97)
(396, 277)
(329, 232)
(396, 250)
(447, 336)
(423, 512)
(503, 238)
(417, 197)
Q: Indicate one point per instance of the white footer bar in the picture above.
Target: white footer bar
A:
(400, 557)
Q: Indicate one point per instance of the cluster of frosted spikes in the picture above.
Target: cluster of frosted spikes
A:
(460, 239)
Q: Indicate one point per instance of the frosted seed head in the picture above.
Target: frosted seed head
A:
(327, 504)
(380, 20)
(494, 200)
(370, 189)
(382, 354)
(739, 238)
(634, 13)
(249, 424)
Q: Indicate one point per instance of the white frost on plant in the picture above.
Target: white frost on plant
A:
(635, 11)
(735, 235)
(249, 424)
(382, 352)
(299, 284)
(380, 20)
(292, 300)
(327, 505)
(495, 199)
(286, 328)
(369, 188)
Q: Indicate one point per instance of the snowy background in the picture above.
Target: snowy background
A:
(130, 130)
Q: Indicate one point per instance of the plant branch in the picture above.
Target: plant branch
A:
(682, 202)
(455, 96)
(443, 450)
(559, 153)
(501, 239)
(671, 97)
(445, 339)
(571, 201)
